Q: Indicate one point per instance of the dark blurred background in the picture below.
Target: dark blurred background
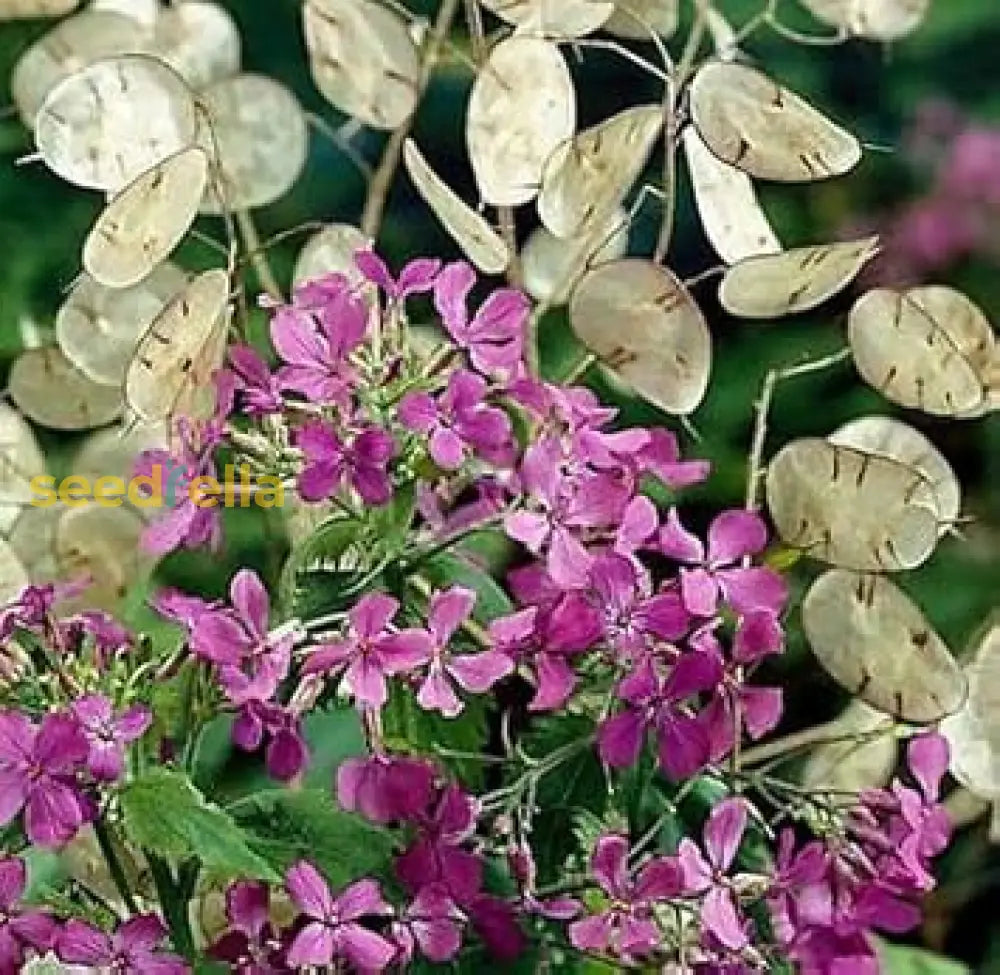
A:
(928, 109)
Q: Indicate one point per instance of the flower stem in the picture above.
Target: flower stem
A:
(115, 868)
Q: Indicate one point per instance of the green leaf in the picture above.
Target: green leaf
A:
(166, 814)
(448, 569)
(285, 826)
(320, 592)
(904, 960)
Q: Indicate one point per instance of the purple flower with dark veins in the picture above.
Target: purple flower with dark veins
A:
(417, 277)
(330, 462)
(132, 950)
(108, 734)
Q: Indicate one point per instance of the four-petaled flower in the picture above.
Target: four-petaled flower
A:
(132, 950)
(251, 945)
(107, 734)
(329, 463)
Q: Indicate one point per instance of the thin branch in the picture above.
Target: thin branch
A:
(341, 139)
(258, 259)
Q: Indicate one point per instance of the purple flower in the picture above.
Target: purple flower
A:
(627, 928)
(314, 336)
(30, 611)
(731, 536)
(433, 922)
(371, 652)
(37, 774)
(132, 950)
(332, 930)
(494, 337)
(385, 789)
(235, 638)
(474, 672)
(661, 457)
(107, 734)
(257, 385)
(20, 928)
(656, 703)
(460, 422)
(251, 945)
(417, 277)
(720, 912)
(330, 462)
(286, 753)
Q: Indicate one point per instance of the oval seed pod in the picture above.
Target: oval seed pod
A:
(774, 285)
(69, 46)
(751, 122)
(29, 9)
(97, 327)
(105, 125)
(974, 732)
(551, 267)
(13, 575)
(143, 224)
(200, 41)
(198, 397)
(639, 320)
(522, 106)
(922, 354)
(564, 18)
(257, 138)
(874, 641)
(146, 12)
(166, 353)
(331, 251)
(888, 437)
(480, 243)
(730, 213)
(362, 60)
(21, 459)
(875, 20)
(852, 509)
(51, 391)
(636, 20)
(588, 176)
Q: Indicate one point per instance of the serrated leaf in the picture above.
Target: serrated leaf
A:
(165, 814)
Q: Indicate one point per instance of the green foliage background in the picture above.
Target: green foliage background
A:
(873, 91)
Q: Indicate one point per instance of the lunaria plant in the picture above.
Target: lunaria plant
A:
(546, 695)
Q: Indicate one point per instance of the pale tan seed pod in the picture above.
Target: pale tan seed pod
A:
(145, 12)
(552, 18)
(200, 41)
(255, 133)
(331, 251)
(877, 644)
(552, 267)
(29, 9)
(974, 732)
(886, 436)
(142, 224)
(730, 213)
(13, 575)
(21, 459)
(875, 20)
(522, 106)
(636, 20)
(49, 390)
(362, 60)
(97, 327)
(68, 47)
(117, 118)
(642, 324)
(587, 177)
(774, 285)
(929, 349)
(753, 123)
(480, 243)
(167, 352)
(852, 509)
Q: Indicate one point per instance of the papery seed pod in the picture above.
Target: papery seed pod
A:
(875, 20)
(362, 60)
(874, 641)
(974, 732)
(587, 177)
(774, 285)
(21, 459)
(331, 251)
(143, 223)
(256, 135)
(522, 106)
(480, 243)
(635, 20)
(25, 9)
(49, 390)
(888, 437)
(200, 41)
(553, 18)
(69, 46)
(97, 327)
(166, 353)
(730, 213)
(852, 509)
(927, 348)
(853, 765)
(641, 322)
(552, 267)
(13, 575)
(751, 122)
(105, 125)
